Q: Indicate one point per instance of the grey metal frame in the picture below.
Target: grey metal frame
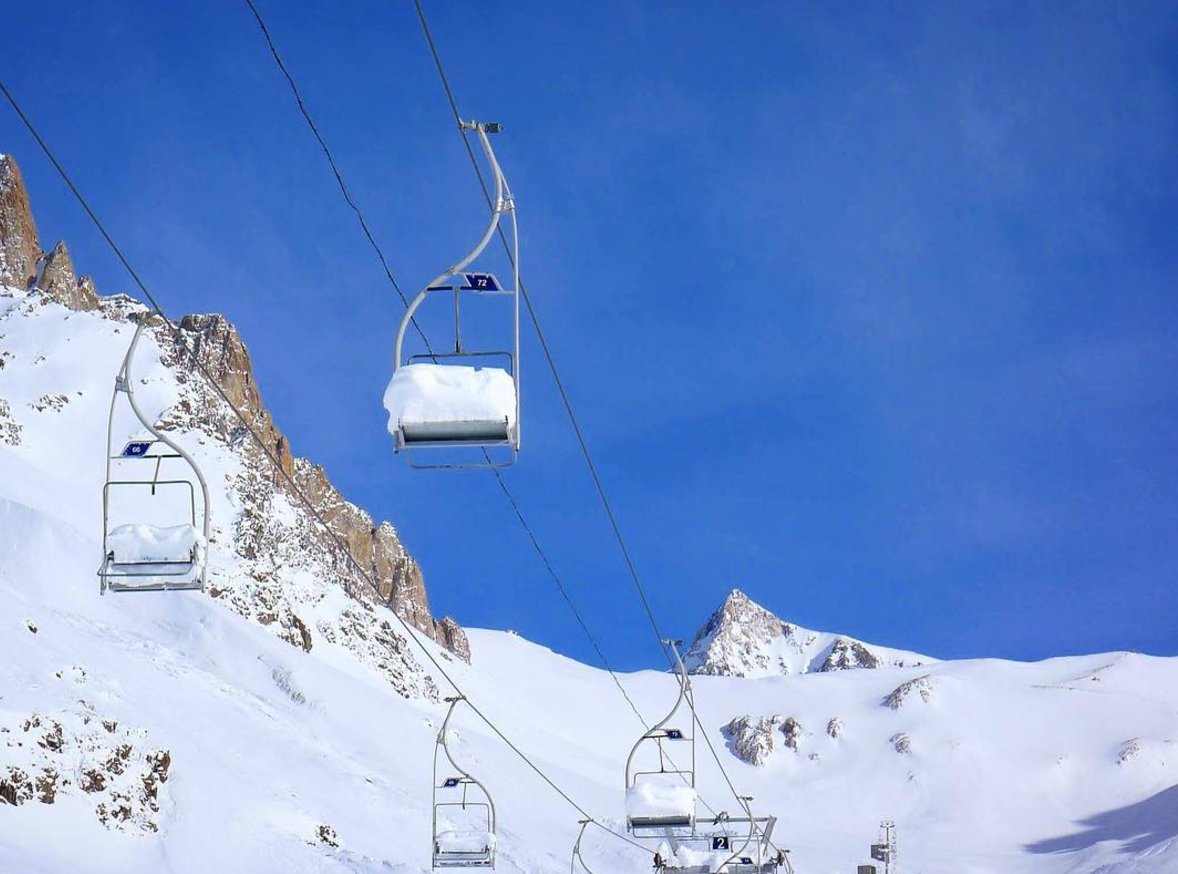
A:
(504, 203)
(686, 830)
(465, 781)
(658, 733)
(114, 576)
(577, 857)
(764, 858)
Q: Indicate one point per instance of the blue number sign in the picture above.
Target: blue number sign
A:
(482, 282)
(137, 448)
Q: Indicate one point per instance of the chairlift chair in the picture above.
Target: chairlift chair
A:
(663, 800)
(720, 849)
(455, 846)
(438, 400)
(143, 557)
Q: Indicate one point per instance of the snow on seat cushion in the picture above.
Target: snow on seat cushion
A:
(425, 393)
(647, 800)
(465, 841)
(148, 543)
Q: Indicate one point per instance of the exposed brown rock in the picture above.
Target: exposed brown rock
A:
(20, 247)
(298, 634)
(751, 738)
(452, 636)
(93, 780)
(10, 434)
(921, 686)
(792, 729)
(60, 283)
(846, 654)
(47, 785)
(220, 350)
(15, 787)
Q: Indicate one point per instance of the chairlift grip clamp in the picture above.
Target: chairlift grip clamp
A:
(487, 127)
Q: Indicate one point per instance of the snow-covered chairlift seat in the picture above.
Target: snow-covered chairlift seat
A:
(464, 848)
(446, 409)
(663, 799)
(143, 557)
(654, 805)
(463, 824)
(448, 404)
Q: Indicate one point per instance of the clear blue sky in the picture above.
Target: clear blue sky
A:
(867, 309)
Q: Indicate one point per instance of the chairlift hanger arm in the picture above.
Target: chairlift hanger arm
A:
(656, 732)
(744, 801)
(465, 777)
(577, 857)
(501, 205)
(127, 385)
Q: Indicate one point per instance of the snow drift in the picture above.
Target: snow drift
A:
(141, 542)
(421, 394)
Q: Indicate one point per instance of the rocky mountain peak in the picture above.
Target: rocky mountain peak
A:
(59, 282)
(20, 247)
(743, 639)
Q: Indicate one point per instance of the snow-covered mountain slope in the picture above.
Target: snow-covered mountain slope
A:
(743, 639)
(60, 346)
(273, 754)
(284, 723)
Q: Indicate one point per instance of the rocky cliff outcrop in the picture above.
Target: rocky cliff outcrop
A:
(921, 687)
(20, 247)
(751, 738)
(846, 653)
(60, 283)
(277, 540)
(743, 639)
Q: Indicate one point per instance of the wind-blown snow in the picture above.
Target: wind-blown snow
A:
(427, 393)
(647, 798)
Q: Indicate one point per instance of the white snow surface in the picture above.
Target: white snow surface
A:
(1064, 766)
(465, 841)
(647, 798)
(140, 541)
(427, 393)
